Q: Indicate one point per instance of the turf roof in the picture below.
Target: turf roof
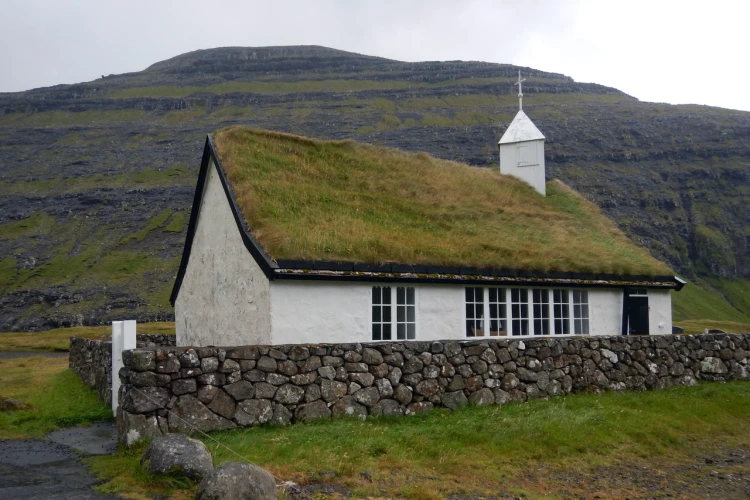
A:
(344, 201)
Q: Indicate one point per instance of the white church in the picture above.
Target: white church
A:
(231, 291)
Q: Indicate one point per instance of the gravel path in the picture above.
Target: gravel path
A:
(51, 468)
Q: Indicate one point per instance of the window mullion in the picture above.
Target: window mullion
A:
(487, 318)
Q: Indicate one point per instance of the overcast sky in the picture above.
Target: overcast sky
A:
(658, 50)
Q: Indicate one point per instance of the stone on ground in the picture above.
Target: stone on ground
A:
(237, 481)
(177, 453)
(10, 404)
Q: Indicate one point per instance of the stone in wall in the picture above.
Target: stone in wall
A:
(186, 389)
(91, 360)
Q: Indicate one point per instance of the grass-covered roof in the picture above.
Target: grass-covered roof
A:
(344, 201)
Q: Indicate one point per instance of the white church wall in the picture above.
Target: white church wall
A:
(341, 312)
(224, 297)
(305, 312)
(659, 312)
(605, 311)
(529, 152)
(311, 312)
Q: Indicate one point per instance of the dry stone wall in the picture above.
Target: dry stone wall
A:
(91, 360)
(183, 389)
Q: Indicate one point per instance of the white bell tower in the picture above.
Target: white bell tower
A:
(522, 148)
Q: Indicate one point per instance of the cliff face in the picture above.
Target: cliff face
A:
(96, 179)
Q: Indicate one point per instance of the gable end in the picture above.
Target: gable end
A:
(261, 258)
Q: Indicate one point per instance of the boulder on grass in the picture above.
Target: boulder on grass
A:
(237, 481)
(178, 454)
(10, 404)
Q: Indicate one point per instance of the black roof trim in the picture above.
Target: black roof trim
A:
(260, 256)
(303, 269)
(588, 281)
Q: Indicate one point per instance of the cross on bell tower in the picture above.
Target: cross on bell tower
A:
(520, 90)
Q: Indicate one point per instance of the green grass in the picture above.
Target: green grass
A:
(700, 325)
(345, 201)
(177, 224)
(50, 118)
(151, 225)
(58, 397)
(736, 292)
(174, 175)
(698, 301)
(478, 449)
(58, 339)
(39, 223)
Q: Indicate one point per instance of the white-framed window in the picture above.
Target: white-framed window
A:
(406, 313)
(384, 322)
(381, 313)
(523, 312)
(498, 312)
(519, 311)
(561, 311)
(474, 311)
(580, 312)
(540, 297)
(486, 312)
(527, 155)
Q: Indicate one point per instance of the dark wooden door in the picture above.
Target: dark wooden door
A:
(638, 315)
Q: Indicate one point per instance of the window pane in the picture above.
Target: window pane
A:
(401, 331)
(469, 311)
(410, 314)
(387, 331)
(376, 332)
(411, 331)
(376, 314)
(376, 295)
(400, 314)
(386, 295)
(469, 328)
(387, 314)
(400, 295)
(410, 295)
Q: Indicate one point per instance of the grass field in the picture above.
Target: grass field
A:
(473, 451)
(59, 338)
(57, 394)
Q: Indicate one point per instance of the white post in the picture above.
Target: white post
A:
(123, 338)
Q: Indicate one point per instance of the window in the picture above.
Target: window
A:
(561, 311)
(474, 312)
(580, 312)
(519, 310)
(498, 312)
(541, 311)
(381, 313)
(383, 322)
(638, 292)
(406, 320)
(527, 155)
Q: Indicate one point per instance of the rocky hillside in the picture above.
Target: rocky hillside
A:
(96, 179)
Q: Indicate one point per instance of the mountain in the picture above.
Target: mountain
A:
(97, 178)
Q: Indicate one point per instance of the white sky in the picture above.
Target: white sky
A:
(657, 50)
